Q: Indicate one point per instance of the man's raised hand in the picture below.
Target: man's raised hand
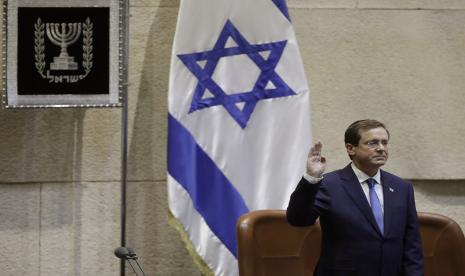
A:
(316, 163)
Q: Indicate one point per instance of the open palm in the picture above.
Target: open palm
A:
(316, 163)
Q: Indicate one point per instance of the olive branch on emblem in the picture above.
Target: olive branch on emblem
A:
(39, 47)
(87, 47)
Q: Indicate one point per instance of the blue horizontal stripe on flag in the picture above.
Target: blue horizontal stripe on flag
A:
(212, 194)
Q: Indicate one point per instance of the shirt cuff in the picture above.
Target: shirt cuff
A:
(311, 179)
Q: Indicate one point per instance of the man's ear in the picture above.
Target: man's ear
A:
(350, 149)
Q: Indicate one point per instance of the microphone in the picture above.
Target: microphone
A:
(127, 253)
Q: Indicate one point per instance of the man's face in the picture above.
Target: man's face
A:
(372, 150)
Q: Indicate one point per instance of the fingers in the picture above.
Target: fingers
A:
(318, 147)
(315, 150)
(316, 163)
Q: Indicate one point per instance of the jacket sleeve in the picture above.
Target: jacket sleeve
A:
(307, 203)
(413, 256)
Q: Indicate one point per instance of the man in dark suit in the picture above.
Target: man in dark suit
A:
(368, 217)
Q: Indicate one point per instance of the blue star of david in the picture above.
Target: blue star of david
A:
(260, 91)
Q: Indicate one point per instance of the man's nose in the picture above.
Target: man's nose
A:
(382, 148)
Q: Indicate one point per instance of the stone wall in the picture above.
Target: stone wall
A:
(400, 61)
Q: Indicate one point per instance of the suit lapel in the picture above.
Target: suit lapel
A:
(388, 195)
(353, 188)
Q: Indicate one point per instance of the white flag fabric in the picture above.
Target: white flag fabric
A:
(238, 122)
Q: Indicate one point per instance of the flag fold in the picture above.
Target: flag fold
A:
(238, 122)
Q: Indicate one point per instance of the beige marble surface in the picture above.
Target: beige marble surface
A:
(399, 61)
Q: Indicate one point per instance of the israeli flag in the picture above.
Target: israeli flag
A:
(238, 122)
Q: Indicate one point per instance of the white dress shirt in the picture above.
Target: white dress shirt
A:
(362, 178)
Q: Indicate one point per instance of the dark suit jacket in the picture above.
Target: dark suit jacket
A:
(351, 241)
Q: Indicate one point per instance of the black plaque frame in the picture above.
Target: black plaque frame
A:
(64, 53)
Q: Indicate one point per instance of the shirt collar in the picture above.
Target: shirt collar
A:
(362, 177)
